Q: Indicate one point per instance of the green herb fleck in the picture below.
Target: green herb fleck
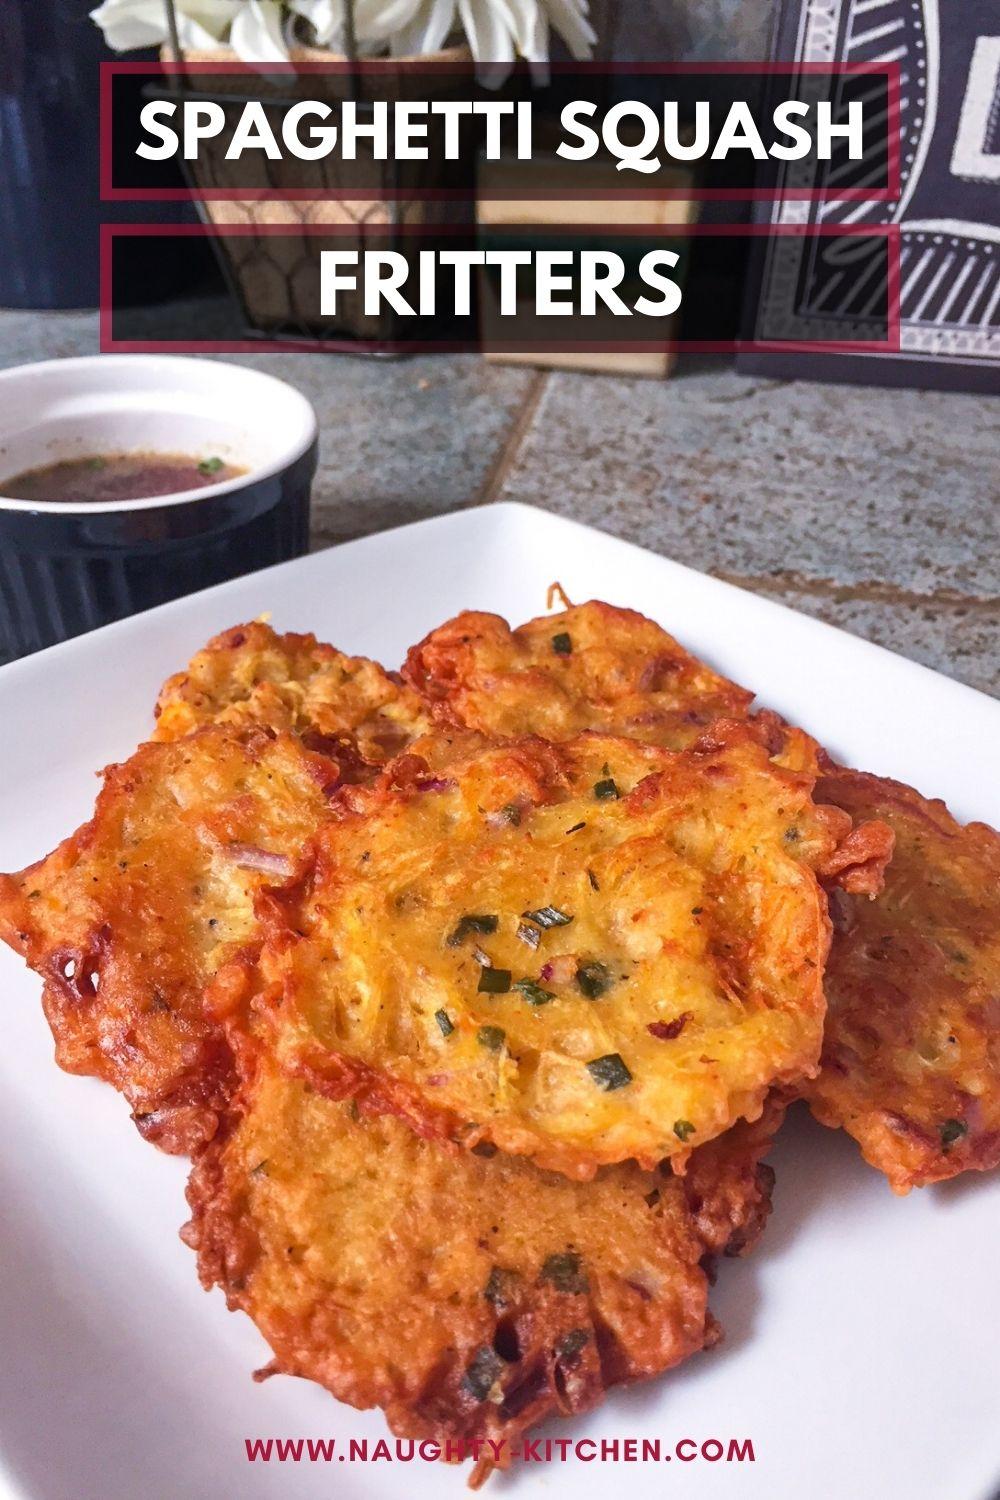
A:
(473, 923)
(529, 935)
(592, 980)
(510, 813)
(445, 1022)
(565, 1271)
(569, 1346)
(548, 916)
(561, 644)
(609, 1072)
(97, 463)
(210, 466)
(532, 992)
(500, 1287)
(952, 1131)
(682, 1129)
(494, 982)
(607, 790)
(491, 1037)
(483, 1373)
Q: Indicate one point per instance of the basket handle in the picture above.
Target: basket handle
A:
(173, 33)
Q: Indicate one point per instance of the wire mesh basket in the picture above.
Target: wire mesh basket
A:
(273, 278)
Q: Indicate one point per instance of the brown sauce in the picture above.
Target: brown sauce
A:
(117, 476)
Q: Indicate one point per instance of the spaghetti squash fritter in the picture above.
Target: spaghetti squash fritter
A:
(129, 919)
(250, 675)
(594, 666)
(911, 1055)
(591, 667)
(581, 953)
(469, 1297)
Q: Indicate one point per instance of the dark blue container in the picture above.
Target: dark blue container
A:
(50, 205)
(61, 575)
(67, 567)
(50, 209)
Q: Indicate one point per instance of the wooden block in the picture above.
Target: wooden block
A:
(652, 363)
(510, 175)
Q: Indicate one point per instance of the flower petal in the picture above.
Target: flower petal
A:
(256, 35)
(213, 16)
(529, 25)
(571, 18)
(326, 17)
(489, 37)
(128, 24)
(378, 20)
(428, 31)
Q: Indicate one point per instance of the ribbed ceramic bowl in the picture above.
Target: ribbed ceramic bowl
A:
(66, 568)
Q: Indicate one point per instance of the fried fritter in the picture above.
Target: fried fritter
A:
(592, 667)
(251, 675)
(582, 953)
(911, 1054)
(911, 1058)
(130, 917)
(326, 1228)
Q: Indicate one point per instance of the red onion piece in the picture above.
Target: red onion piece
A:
(656, 669)
(667, 1031)
(250, 857)
(560, 969)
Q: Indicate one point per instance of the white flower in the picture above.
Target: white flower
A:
(259, 31)
(498, 31)
(128, 24)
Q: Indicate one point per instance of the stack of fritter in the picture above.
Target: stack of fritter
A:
(477, 994)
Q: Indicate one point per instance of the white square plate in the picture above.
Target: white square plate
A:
(862, 1354)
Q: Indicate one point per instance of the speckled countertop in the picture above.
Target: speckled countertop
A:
(878, 511)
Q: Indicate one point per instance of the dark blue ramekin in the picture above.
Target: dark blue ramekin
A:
(65, 568)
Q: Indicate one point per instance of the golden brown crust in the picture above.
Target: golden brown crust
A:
(130, 917)
(251, 675)
(325, 1228)
(911, 1055)
(728, 1184)
(594, 667)
(673, 975)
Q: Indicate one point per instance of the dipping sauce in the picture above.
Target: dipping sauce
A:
(117, 476)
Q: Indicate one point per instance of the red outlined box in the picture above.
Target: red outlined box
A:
(110, 345)
(376, 67)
